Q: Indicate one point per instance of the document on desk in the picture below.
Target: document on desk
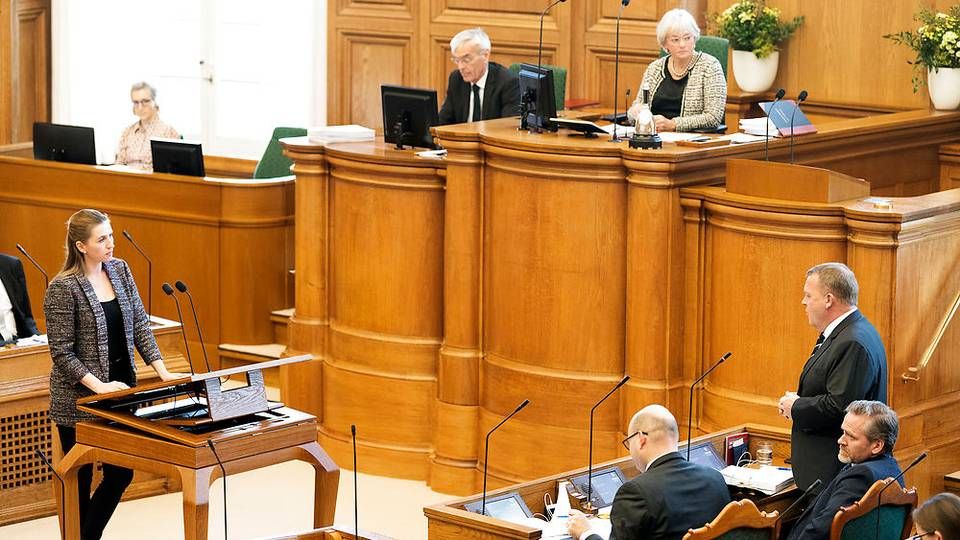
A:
(765, 478)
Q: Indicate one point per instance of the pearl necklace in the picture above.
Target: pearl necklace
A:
(678, 73)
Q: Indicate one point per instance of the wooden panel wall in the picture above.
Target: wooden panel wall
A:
(24, 67)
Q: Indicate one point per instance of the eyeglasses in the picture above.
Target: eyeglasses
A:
(465, 59)
(626, 442)
(142, 102)
(919, 536)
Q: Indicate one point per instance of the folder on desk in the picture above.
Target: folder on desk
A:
(786, 112)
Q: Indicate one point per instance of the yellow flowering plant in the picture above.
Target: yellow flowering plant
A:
(751, 25)
(936, 42)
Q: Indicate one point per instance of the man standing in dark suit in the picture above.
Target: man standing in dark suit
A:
(870, 431)
(670, 496)
(16, 318)
(478, 89)
(848, 363)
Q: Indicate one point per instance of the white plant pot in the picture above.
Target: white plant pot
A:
(755, 74)
(944, 86)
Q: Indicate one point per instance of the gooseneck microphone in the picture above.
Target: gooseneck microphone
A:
(168, 290)
(486, 454)
(616, 81)
(694, 385)
(46, 278)
(182, 287)
(538, 128)
(149, 271)
(589, 504)
(356, 513)
(223, 472)
(63, 489)
(806, 493)
(766, 141)
(918, 459)
(800, 99)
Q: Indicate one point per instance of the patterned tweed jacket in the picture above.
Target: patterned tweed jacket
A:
(704, 98)
(77, 333)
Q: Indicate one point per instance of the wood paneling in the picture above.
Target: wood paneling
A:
(25, 71)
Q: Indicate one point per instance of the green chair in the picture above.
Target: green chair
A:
(559, 82)
(273, 163)
(716, 47)
(859, 520)
(739, 520)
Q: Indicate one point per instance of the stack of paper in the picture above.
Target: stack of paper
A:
(350, 133)
(764, 478)
(757, 126)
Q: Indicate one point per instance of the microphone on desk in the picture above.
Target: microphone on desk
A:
(223, 472)
(766, 141)
(182, 287)
(149, 271)
(588, 505)
(918, 459)
(168, 290)
(537, 128)
(486, 454)
(616, 81)
(356, 513)
(800, 99)
(46, 278)
(63, 490)
(806, 493)
(692, 386)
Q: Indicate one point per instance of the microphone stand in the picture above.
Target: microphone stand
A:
(149, 271)
(486, 453)
(800, 99)
(182, 287)
(918, 459)
(356, 519)
(588, 506)
(169, 291)
(537, 128)
(766, 140)
(690, 409)
(616, 92)
(46, 278)
(816, 483)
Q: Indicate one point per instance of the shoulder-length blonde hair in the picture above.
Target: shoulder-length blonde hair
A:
(79, 228)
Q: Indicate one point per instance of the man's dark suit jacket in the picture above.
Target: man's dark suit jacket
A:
(671, 497)
(845, 489)
(13, 280)
(501, 96)
(850, 365)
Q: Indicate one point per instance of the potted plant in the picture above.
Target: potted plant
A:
(937, 45)
(755, 31)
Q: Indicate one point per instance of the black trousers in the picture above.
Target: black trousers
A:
(95, 511)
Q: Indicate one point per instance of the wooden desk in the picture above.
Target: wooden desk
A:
(951, 483)
(266, 443)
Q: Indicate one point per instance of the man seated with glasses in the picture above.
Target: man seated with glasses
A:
(134, 149)
(669, 496)
(478, 89)
(870, 431)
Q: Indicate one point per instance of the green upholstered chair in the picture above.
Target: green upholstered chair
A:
(716, 47)
(273, 163)
(739, 520)
(559, 82)
(859, 520)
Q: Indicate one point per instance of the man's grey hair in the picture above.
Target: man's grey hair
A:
(143, 85)
(677, 19)
(883, 425)
(474, 35)
(839, 280)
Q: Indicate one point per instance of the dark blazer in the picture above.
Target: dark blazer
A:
(77, 334)
(850, 365)
(671, 497)
(501, 96)
(13, 280)
(847, 487)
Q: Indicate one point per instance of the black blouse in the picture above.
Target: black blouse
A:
(117, 343)
(668, 99)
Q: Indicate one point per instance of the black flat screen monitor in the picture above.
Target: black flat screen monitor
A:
(69, 144)
(537, 100)
(507, 506)
(175, 156)
(705, 454)
(604, 486)
(408, 115)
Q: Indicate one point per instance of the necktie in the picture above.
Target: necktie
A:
(817, 346)
(476, 104)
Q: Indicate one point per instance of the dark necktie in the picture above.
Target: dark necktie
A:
(817, 346)
(476, 104)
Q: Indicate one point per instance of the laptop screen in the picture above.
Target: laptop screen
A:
(705, 454)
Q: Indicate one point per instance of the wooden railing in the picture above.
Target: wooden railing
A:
(913, 373)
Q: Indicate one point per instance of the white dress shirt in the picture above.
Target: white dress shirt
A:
(481, 84)
(8, 324)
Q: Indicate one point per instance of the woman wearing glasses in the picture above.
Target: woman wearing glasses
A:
(687, 88)
(134, 149)
(938, 518)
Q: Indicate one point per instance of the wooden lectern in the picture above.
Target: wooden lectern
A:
(190, 428)
(785, 181)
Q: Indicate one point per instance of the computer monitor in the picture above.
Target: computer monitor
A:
(537, 102)
(603, 488)
(706, 454)
(408, 115)
(506, 506)
(69, 144)
(176, 156)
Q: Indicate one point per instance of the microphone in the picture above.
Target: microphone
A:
(149, 271)
(806, 493)
(766, 142)
(589, 504)
(692, 386)
(537, 128)
(168, 290)
(182, 287)
(356, 520)
(918, 459)
(800, 99)
(486, 453)
(46, 278)
(63, 488)
(224, 473)
(616, 80)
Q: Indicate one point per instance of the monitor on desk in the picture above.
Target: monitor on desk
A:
(176, 156)
(68, 144)
(408, 115)
(604, 486)
(507, 506)
(537, 99)
(705, 454)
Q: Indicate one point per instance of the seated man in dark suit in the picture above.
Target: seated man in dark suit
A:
(16, 318)
(870, 431)
(478, 89)
(670, 496)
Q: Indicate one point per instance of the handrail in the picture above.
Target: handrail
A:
(913, 373)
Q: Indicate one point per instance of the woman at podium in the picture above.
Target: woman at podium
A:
(688, 89)
(94, 320)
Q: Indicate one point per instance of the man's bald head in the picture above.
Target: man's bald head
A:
(658, 423)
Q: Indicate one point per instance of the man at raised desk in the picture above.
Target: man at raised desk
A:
(478, 89)
(16, 318)
(669, 496)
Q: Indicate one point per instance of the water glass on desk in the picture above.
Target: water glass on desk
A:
(765, 453)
